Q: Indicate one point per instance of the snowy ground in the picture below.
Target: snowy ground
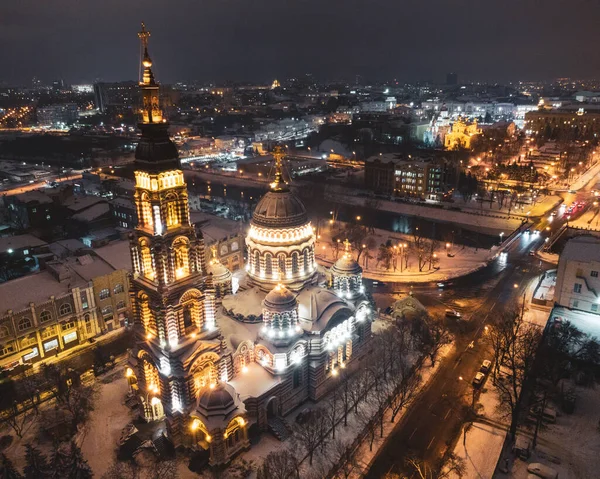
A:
(539, 209)
(99, 439)
(588, 220)
(485, 438)
(465, 259)
(488, 223)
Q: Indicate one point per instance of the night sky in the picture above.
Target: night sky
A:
(258, 40)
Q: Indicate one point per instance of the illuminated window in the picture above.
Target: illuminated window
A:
(107, 310)
(118, 288)
(268, 264)
(104, 293)
(181, 259)
(295, 262)
(172, 212)
(147, 268)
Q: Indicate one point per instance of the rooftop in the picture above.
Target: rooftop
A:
(214, 228)
(19, 242)
(36, 288)
(581, 248)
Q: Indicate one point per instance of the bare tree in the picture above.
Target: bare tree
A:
(519, 343)
(346, 459)
(16, 419)
(450, 466)
(279, 465)
(308, 434)
(405, 388)
(433, 337)
(332, 411)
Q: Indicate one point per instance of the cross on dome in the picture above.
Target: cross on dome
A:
(346, 246)
(278, 183)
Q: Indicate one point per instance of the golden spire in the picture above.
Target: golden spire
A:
(346, 246)
(278, 155)
(147, 75)
(150, 110)
(213, 250)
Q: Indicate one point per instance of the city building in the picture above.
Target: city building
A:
(44, 313)
(215, 377)
(462, 135)
(57, 115)
(426, 178)
(577, 281)
(572, 122)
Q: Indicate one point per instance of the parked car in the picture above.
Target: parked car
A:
(485, 366)
(522, 447)
(452, 313)
(478, 379)
(541, 470)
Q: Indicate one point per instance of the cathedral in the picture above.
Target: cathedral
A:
(219, 366)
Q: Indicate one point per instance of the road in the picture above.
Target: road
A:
(434, 421)
(37, 185)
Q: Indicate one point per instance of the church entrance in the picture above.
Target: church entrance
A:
(272, 408)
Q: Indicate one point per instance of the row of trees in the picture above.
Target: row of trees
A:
(387, 380)
(64, 462)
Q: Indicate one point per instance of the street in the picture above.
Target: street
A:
(434, 420)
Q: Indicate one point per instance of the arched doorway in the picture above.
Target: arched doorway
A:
(272, 408)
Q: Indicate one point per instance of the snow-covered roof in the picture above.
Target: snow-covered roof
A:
(19, 242)
(92, 213)
(214, 228)
(17, 294)
(317, 306)
(116, 254)
(80, 203)
(34, 195)
(581, 248)
(255, 382)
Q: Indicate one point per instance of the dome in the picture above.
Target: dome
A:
(217, 399)
(280, 209)
(346, 266)
(280, 299)
(219, 271)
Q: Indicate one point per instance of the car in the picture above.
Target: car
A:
(441, 285)
(452, 313)
(485, 366)
(478, 379)
(541, 470)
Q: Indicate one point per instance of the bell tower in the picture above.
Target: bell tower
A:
(172, 294)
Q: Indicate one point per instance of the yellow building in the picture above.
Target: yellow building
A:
(462, 135)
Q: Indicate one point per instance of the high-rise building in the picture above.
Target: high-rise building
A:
(451, 79)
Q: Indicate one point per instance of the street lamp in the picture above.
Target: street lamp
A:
(501, 235)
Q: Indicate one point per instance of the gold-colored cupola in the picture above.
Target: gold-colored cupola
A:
(151, 112)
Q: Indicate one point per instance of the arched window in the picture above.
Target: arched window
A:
(281, 265)
(88, 324)
(65, 308)
(3, 332)
(146, 260)
(172, 210)
(118, 288)
(45, 316)
(187, 316)
(295, 262)
(24, 323)
(224, 250)
(181, 258)
(104, 293)
(146, 219)
(235, 246)
(121, 305)
(256, 262)
(268, 265)
(306, 265)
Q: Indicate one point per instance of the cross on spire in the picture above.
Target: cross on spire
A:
(278, 155)
(147, 75)
(347, 246)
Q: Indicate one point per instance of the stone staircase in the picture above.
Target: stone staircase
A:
(280, 428)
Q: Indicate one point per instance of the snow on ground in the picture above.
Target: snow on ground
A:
(539, 209)
(464, 261)
(106, 422)
(488, 223)
(589, 220)
(571, 446)
(480, 462)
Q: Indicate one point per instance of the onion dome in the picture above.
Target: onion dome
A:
(221, 276)
(346, 274)
(217, 405)
(280, 299)
(280, 209)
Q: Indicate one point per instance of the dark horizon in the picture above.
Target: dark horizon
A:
(259, 41)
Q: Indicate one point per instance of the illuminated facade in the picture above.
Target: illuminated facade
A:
(281, 242)
(462, 135)
(180, 356)
(285, 339)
